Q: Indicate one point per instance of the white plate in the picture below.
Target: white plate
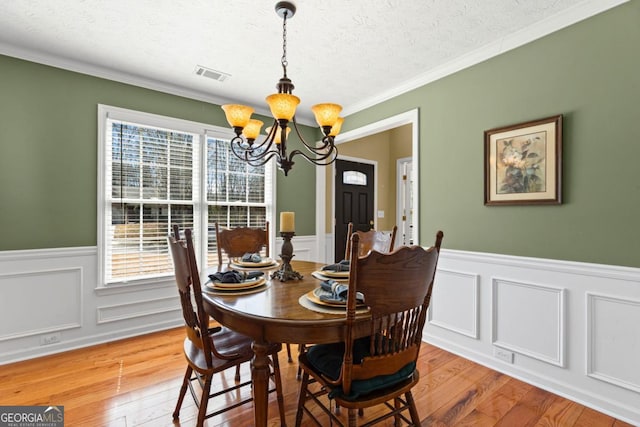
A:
(318, 275)
(235, 292)
(331, 273)
(266, 262)
(249, 283)
(314, 297)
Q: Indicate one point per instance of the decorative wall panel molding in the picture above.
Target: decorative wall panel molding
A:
(571, 327)
(529, 319)
(59, 286)
(455, 307)
(40, 301)
(132, 310)
(613, 329)
(599, 304)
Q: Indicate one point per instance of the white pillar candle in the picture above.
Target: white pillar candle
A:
(287, 222)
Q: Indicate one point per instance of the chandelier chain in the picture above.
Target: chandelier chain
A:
(284, 44)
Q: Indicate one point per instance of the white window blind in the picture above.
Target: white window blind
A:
(156, 172)
(236, 193)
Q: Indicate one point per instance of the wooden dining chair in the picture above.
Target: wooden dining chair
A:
(379, 368)
(211, 350)
(371, 240)
(235, 242)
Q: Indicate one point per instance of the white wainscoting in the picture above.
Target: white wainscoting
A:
(305, 248)
(517, 324)
(572, 327)
(613, 329)
(54, 293)
(51, 303)
(456, 307)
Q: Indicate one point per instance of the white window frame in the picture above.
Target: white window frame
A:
(200, 205)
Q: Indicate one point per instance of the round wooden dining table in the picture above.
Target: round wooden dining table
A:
(275, 315)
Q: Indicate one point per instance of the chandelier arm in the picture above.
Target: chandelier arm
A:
(236, 144)
(327, 142)
(320, 155)
(268, 141)
(333, 154)
(310, 147)
(256, 160)
(254, 152)
(259, 161)
(244, 156)
(247, 155)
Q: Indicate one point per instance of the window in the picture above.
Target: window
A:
(354, 178)
(157, 171)
(235, 192)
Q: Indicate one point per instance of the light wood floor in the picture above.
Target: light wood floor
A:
(135, 382)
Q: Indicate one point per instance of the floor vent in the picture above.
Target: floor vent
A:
(211, 74)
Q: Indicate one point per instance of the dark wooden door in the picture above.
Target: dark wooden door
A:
(354, 201)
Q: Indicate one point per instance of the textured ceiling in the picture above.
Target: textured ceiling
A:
(350, 52)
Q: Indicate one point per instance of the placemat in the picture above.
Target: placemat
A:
(304, 301)
(266, 262)
(234, 292)
(274, 266)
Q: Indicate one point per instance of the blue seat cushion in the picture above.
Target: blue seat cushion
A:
(327, 359)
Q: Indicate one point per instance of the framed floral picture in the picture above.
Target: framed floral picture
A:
(523, 163)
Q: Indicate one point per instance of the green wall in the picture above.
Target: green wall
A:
(48, 153)
(590, 73)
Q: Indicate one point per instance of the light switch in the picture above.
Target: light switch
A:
(380, 214)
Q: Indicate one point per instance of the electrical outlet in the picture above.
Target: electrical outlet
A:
(50, 339)
(502, 354)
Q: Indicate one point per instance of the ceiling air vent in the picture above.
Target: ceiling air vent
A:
(211, 74)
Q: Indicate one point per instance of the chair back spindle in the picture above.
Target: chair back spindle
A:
(377, 361)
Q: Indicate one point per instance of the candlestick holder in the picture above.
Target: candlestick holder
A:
(285, 272)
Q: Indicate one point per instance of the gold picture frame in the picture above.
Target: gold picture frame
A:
(523, 163)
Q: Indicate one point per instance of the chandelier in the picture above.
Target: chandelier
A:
(283, 108)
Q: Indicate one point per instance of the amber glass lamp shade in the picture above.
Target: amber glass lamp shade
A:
(278, 136)
(252, 129)
(326, 114)
(283, 105)
(335, 129)
(237, 115)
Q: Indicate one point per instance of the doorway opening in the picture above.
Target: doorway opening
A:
(325, 193)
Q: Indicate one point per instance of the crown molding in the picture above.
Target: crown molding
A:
(573, 15)
(577, 13)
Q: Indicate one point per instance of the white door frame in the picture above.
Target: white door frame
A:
(401, 193)
(409, 117)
